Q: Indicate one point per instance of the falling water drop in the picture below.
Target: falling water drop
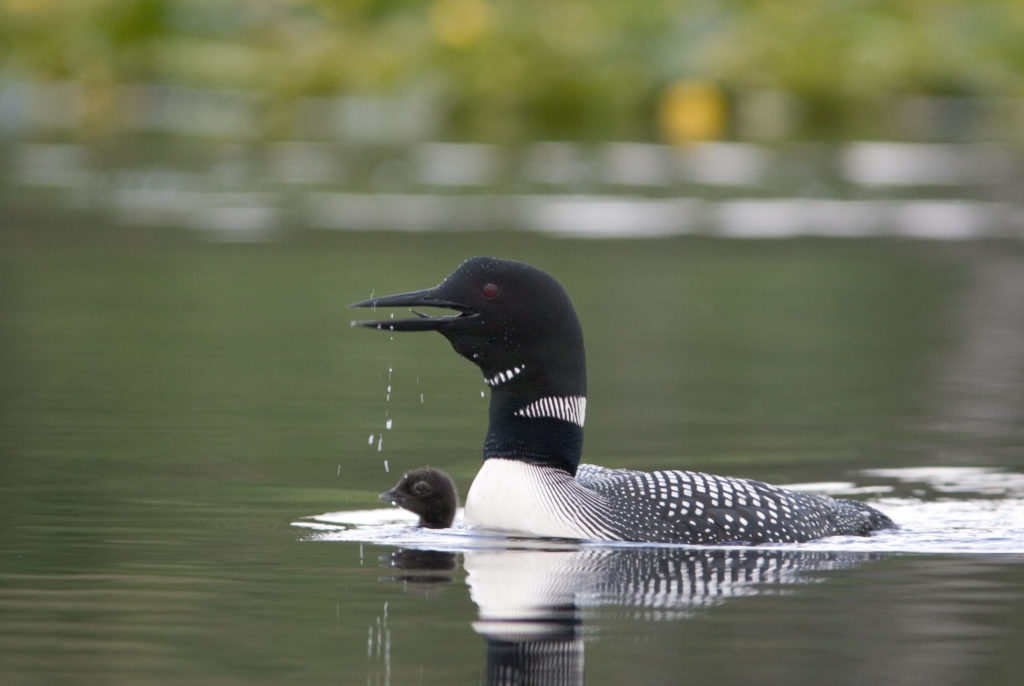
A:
(370, 442)
(386, 469)
(380, 442)
(387, 425)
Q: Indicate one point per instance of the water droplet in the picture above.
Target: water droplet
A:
(386, 468)
(483, 394)
(387, 425)
(380, 442)
(339, 470)
(370, 442)
(421, 398)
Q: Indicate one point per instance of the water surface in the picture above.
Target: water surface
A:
(171, 408)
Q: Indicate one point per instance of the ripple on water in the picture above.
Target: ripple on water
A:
(951, 510)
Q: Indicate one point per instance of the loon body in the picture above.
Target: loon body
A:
(518, 325)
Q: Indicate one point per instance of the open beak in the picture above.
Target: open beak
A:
(422, 322)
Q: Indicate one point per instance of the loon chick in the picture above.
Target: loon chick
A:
(430, 493)
(517, 324)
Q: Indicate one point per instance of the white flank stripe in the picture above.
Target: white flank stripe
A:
(517, 497)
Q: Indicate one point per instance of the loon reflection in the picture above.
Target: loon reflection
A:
(531, 602)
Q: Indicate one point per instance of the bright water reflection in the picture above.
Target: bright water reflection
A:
(233, 192)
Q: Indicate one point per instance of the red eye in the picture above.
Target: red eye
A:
(490, 291)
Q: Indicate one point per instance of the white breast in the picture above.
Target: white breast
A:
(510, 496)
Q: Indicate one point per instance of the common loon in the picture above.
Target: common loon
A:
(517, 324)
(430, 493)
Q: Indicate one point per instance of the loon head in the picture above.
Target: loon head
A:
(430, 493)
(517, 324)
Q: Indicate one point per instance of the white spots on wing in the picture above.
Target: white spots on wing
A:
(569, 409)
(676, 506)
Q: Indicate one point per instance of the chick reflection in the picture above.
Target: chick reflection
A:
(423, 566)
(530, 601)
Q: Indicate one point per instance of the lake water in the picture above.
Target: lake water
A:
(193, 439)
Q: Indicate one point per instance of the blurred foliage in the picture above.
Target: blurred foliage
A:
(508, 69)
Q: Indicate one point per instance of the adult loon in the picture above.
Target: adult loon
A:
(517, 324)
(430, 493)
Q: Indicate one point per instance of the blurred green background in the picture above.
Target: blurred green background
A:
(192, 191)
(507, 71)
(246, 119)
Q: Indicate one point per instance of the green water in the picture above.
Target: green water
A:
(170, 406)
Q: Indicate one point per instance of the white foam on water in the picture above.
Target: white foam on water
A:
(961, 510)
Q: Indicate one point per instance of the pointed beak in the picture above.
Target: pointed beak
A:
(391, 497)
(422, 322)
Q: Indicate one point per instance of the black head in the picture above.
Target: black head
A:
(517, 324)
(509, 316)
(430, 493)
